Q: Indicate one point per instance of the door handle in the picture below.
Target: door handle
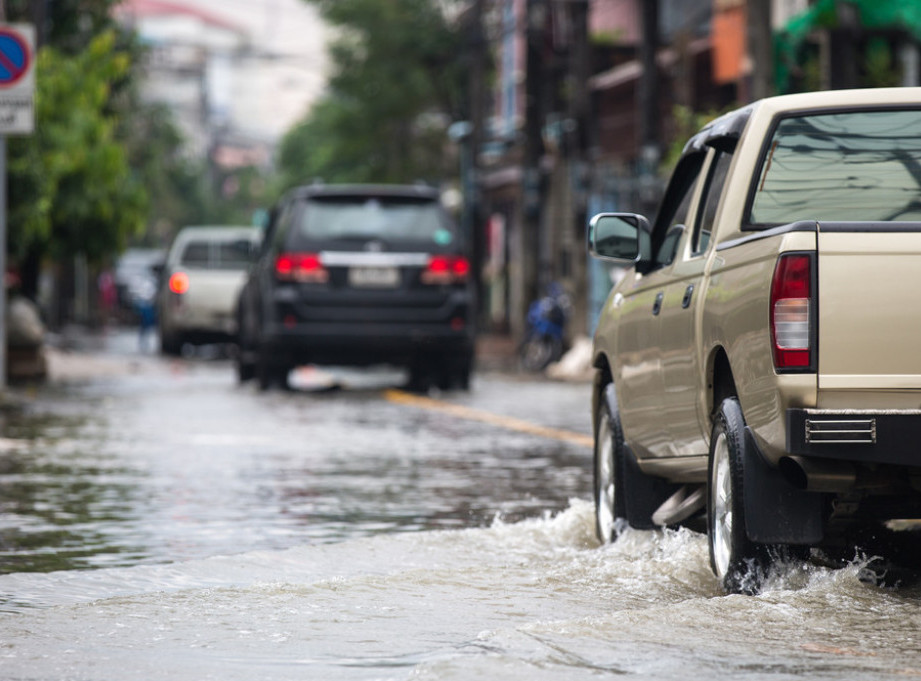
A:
(657, 306)
(688, 294)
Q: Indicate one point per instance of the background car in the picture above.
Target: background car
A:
(204, 270)
(359, 275)
(136, 277)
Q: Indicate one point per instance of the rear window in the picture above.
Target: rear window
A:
(861, 165)
(196, 254)
(216, 255)
(391, 219)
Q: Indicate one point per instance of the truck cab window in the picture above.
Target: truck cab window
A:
(719, 171)
(675, 207)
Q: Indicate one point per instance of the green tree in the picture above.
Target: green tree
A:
(71, 187)
(397, 82)
(148, 137)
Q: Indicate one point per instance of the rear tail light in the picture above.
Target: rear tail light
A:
(792, 312)
(301, 267)
(179, 282)
(446, 269)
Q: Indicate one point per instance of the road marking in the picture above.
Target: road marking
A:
(470, 414)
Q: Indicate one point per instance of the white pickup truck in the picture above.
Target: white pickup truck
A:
(760, 362)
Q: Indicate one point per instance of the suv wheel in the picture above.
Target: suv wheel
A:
(453, 371)
(269, 374)
(170, 343)
(246, 368)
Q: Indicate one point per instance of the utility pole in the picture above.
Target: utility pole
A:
(760, 48)
(532, 180)
(477, 105)
(650, 152)
(578, 144)
(4, 317)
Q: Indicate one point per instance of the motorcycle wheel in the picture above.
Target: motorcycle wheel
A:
(537, 352)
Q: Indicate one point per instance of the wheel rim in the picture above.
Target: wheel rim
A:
(604, 472)
(721, 493)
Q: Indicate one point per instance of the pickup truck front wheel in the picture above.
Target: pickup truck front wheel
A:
(738, 562)
(609, 452)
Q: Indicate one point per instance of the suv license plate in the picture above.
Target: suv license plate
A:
(374, 277)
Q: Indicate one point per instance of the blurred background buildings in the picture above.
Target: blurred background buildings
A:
(536, 113)
(237, 74)
(592, 100)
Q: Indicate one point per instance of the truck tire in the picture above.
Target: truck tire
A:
(739, 563)
(609, 471)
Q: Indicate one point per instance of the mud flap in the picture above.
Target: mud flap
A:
(643, 493)
(775, 511)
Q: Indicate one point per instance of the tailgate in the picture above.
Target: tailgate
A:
(869, 286)
(214, 290)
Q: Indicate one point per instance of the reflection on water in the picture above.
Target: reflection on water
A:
(57, 496)
(536, 599)
(185, 465)
(235, 535)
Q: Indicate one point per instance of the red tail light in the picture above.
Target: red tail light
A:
(792, 312)
(446, 269)
(301, 267)
(179, 282)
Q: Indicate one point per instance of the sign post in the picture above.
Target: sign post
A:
(17, 117)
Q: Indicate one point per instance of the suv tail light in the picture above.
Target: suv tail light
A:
(446, 269)
(301, 267)
(793, 313)
(179, 283)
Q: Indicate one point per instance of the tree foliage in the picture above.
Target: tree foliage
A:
(103, 167)
(68, 25)
(396, 83)
(71, 187)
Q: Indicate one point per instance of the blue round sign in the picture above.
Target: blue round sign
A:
(14, 57)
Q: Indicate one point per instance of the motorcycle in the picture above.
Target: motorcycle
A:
(547, 318)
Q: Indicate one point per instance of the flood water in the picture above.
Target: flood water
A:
(164, 523)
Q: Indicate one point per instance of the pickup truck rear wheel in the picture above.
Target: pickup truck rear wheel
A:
(609, 479)
(738, 562)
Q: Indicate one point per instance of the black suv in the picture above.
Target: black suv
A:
(359, 275)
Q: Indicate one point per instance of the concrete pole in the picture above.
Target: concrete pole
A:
(760, 48)
(4, 321)
(648, 112)
(478, 49)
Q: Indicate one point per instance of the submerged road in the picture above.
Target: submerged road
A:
(157, 520)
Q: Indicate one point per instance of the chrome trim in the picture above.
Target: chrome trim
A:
(371, 259)
(841, 431)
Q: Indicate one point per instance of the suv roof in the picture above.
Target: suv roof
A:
(418, 191)
(218, 231)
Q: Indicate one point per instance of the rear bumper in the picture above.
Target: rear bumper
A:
(358, 343)
(886, 437)
(367, 327)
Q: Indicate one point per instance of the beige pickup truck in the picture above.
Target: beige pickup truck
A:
(758, 367)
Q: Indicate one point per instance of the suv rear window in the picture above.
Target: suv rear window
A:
(855, 166)
(359, 218)
(216, 255)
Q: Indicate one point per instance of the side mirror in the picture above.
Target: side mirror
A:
(622, 237)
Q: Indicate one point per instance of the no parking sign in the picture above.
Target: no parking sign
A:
(17, 79)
